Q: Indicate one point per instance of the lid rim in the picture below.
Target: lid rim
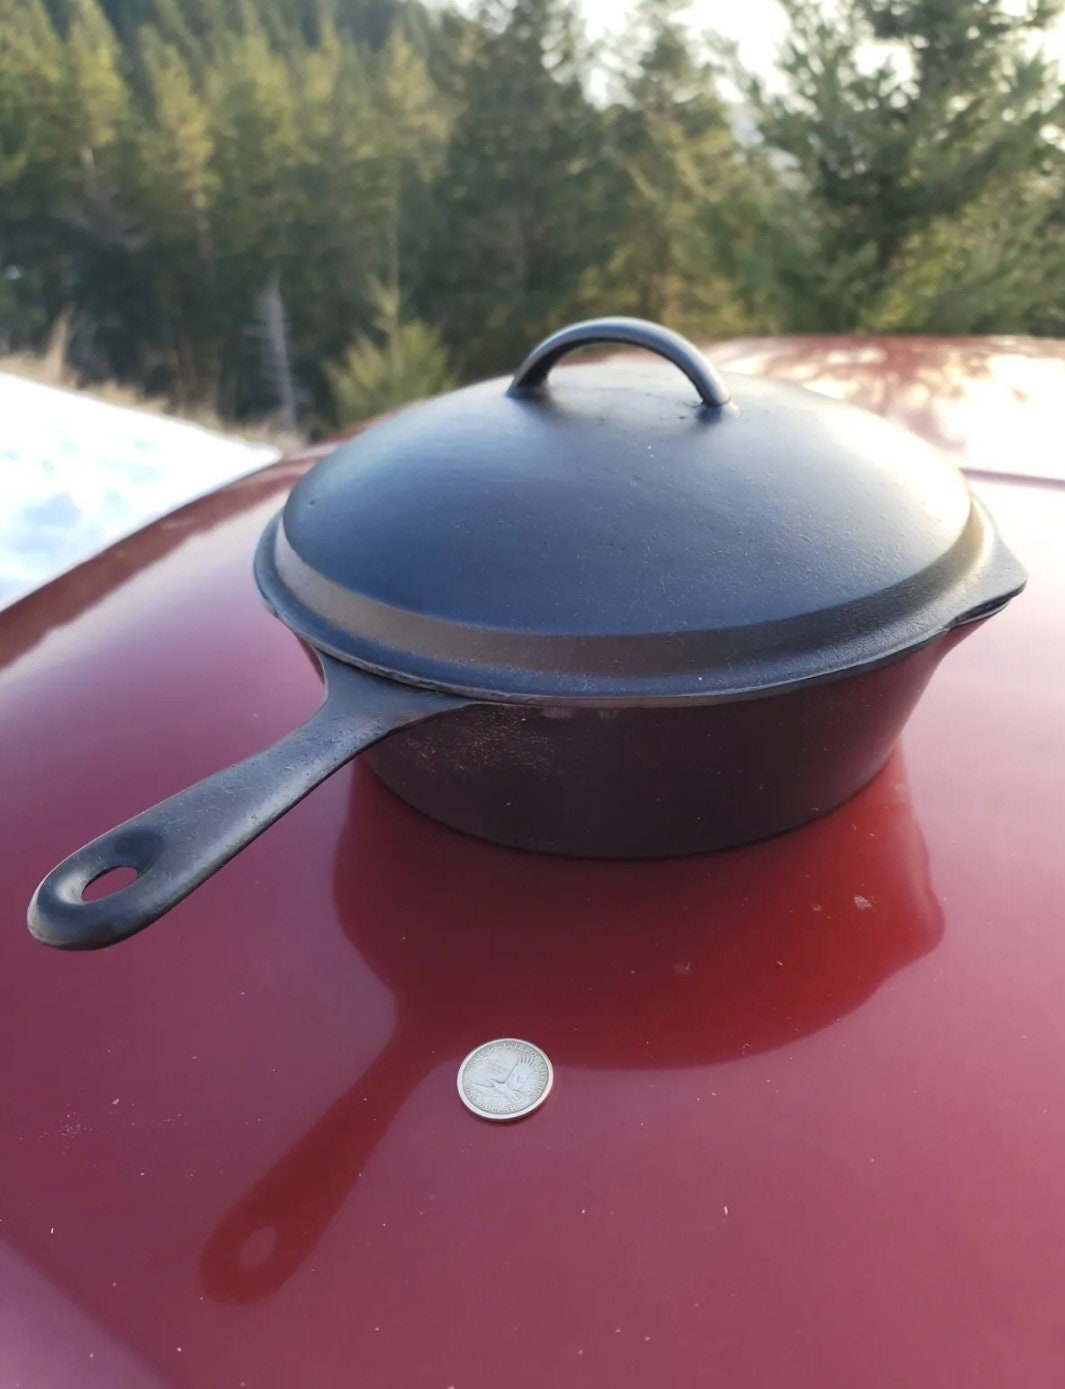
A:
(991, 577)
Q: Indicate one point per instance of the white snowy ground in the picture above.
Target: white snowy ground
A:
(77, 473)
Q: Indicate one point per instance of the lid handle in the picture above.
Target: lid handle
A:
(633, 332)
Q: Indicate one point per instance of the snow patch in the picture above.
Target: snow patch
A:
(77, 473)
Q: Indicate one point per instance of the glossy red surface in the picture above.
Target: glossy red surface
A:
(808, 1123)
(989, 403)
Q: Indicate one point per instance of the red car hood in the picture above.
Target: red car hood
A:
(808, 1124)
(990, 403)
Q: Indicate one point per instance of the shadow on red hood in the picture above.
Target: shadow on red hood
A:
(665, 964)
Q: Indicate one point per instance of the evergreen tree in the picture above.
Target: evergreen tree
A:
(340, 227)
(686, 202)
(175, 184)
(520, 212)
(402, 359)
(899, 120)
(77, 247)
(35, 171)
(204, 197)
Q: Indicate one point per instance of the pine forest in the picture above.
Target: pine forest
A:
(313, 210)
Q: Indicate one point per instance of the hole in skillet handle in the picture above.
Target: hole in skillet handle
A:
(111, 880)
(108, 866)
(93, 880)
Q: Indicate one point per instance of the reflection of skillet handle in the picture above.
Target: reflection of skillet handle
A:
(268, 1234)
(177, 844)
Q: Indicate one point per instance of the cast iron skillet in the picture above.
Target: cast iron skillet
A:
(657, 625)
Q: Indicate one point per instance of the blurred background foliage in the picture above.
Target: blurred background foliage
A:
(312, 210)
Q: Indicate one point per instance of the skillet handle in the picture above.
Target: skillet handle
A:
(179, 843)
(632, 332)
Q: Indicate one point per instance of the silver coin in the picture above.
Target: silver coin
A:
(505, 1079)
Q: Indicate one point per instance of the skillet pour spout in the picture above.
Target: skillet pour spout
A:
(629, 609)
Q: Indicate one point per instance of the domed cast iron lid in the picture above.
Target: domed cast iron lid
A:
(630, 530)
